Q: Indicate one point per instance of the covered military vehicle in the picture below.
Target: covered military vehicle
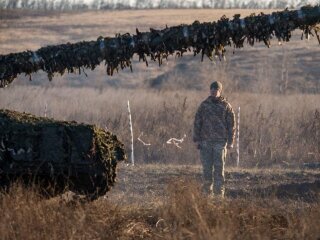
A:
(57, 155)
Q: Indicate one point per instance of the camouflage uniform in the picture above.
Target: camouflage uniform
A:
(214, 128)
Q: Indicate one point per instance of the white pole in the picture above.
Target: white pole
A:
(131, 131)
(45, 109)
(238, 138)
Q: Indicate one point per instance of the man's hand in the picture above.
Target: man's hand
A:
(229, 146)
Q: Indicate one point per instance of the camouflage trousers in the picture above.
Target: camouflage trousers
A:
(213, 157)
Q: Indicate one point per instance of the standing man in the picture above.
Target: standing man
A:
(213, 134)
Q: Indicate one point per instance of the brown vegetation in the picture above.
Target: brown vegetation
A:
(182, 212)
(275, 129)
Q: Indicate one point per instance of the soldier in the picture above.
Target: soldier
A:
(213, 134)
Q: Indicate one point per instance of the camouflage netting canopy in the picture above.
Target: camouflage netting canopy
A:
(80, 157)
(208, 39)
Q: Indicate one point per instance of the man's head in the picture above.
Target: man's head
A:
(216, 89)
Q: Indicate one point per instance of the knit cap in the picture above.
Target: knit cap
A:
(216, 85)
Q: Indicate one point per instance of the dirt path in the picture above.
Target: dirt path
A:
(149, 183)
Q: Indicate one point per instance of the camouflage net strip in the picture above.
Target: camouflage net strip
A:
(207, 39)
(82, 156)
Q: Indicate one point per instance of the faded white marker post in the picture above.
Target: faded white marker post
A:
(45, 109)
(238, 137)
(131, 131)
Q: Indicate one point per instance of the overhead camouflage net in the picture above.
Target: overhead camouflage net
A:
(208, 39)
(56, 154)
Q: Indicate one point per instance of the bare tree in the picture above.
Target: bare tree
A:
(12, 4)
(64, 5)
(282, 3)
(211, 3)
(43, 5)
(24, 3)
(162, 4)
(32, 4)
(141, 3)
(236, 4)
(95, 4)
(107, 4)
(204, 4)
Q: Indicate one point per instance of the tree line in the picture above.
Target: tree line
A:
(79, 5)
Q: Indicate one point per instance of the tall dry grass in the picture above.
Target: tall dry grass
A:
(275, 129)
(183, 213)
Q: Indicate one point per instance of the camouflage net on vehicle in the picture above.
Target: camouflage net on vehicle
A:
(80, 157)
(208, 39)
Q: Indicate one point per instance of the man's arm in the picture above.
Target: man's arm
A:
(197, 126)
(231, 128)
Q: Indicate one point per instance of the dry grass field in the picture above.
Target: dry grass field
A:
(269, 197)
(164, 202)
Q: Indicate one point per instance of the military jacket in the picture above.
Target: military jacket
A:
(214, 121)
